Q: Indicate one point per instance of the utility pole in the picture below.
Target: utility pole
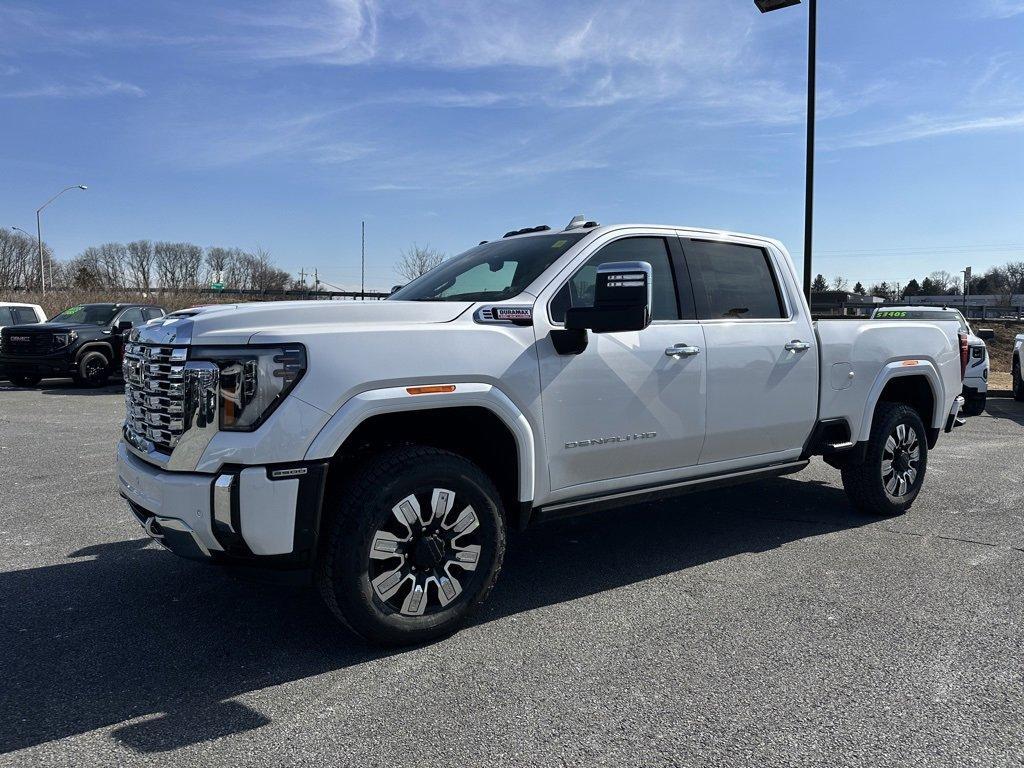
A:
(967, 287)
(302, 279)
(362, 279)
(316, 283)
(39, 234)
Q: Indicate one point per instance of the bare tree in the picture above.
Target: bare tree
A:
(139, 264)
(417, 261)
(110, 261)
(839, 283)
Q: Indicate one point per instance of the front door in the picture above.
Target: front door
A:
(623, 407)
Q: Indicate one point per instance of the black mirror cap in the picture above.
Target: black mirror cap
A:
(607, 319)
(124, 325)
(986, 334)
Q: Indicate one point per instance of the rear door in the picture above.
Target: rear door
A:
(623, 407)
(762, 357)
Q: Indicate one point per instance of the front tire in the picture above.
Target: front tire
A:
(892, 473)
(1018, 382)
(416, 544)
(25, 381)
(93, 369)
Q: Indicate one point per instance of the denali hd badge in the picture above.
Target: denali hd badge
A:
(606, 440)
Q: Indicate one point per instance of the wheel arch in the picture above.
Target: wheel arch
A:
(473, 419)
(99, 346)
(912, 382)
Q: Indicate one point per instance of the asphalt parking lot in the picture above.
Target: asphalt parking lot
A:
(760, 625)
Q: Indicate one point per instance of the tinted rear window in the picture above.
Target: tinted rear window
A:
(732, 281)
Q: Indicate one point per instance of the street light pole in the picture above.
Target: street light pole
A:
(39, 232)
(765, 6)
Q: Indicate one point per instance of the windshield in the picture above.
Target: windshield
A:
(94, 314)
(952, 316)
(491, 271)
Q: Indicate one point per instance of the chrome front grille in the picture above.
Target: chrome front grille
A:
(154, 379)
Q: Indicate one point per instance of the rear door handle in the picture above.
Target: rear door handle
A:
(682, 350)
(798, 346)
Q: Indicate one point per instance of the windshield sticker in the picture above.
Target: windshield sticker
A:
(890, 313)
(559, 243)
(72, 310)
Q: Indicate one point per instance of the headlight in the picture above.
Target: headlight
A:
(61, 340)
(253, 381)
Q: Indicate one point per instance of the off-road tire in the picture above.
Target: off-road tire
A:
(92, 369)
(25, 381)
(364, 504)
(975, 406)
(864, 481)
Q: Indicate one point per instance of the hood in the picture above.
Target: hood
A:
(238, 323)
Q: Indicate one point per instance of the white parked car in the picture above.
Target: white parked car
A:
(975, 390)
(14, 313)
(387, 447)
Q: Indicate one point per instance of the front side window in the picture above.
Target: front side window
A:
(491, 271)
(579, 291)
(6, 318)
(93, 314)
(732, 281)
(133, 316)
(151, 313)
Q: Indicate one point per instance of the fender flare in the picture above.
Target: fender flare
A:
(105, 346)
(897, 369)
(375, 402)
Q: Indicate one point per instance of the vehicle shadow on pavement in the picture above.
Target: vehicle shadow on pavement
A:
(70, 388)
(1005, 408)
(125, 631)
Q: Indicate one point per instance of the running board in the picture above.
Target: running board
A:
(653, 493)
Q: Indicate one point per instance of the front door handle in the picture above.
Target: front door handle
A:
(682, 350)
(798, 346)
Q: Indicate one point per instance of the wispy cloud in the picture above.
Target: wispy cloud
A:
(82, 89)
(929, 126)
(1003, 9)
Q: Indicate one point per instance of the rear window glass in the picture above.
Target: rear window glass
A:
(732, 281)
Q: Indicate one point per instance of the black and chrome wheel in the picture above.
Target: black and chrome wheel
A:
(93, 369)
(1018, 382)
(893, 470)
(25, 381)
(416, 544)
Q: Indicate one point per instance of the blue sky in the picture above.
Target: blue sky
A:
(283, 124)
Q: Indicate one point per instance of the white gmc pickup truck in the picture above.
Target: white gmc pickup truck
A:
(385, 448)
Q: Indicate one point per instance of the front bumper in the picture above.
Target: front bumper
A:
(267, 516)
(59, 364)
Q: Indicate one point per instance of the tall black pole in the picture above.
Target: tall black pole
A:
(812, 55)
(362, 273)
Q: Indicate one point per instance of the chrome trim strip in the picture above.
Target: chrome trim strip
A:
(222, 487)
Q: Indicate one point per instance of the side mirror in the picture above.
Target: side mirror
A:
(987, 334)
(124, 326)
(622, 300)
(396, 289)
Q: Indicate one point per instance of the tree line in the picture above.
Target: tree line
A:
(1005, 280)
(140, 265)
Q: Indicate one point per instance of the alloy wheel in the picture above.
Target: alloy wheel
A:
(900, 460)
(425, 554)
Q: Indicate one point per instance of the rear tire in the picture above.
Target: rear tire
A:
(975, 406)
(93, 369)
(405, 563)
(1018, 382)
(25, 381)
(892, 473)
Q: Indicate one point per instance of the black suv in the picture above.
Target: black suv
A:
(84, 342)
